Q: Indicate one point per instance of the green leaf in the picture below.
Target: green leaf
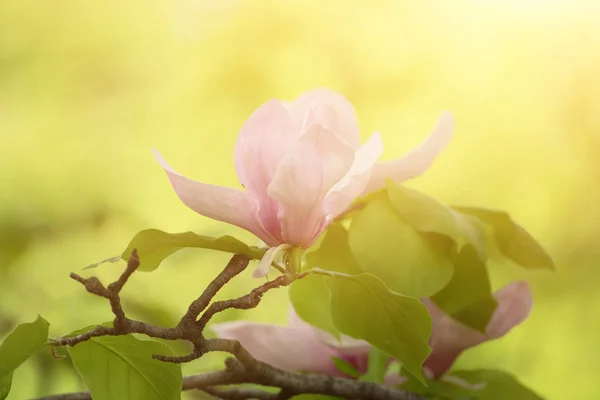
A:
(513, 241)
(334, 253)
(378, 363)
(345, 367)
(154, 245)
(310, 295)
(121, 367)
(364, 308)
(427, 214)
(19, 346)
(468, 296)
(315, 397)
(472, 385)
(310, 298)
(441, 389)
(383, 244)
(5, 385)
(497, 385)
(113, 260)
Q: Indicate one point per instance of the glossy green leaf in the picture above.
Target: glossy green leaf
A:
(385, 245)
(310, 295)
(345, 367)
(427, 214)
(441, 389)
(363, 307)
(468, 296)
(154, 245)
(334, 253)
(121, 367)
(512, 239)
(377, 367)
(310, 298)
(5, 385)
(473, 385)
(19, 346)
(497, 385)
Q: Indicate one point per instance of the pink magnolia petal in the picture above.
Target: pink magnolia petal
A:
(224, 204)
(345, 342)
(450, 337)
(333, 112)
(295, 322)
(394, 379)
(317, 161)
(417, 161)
(354, 351)
(286, 348)
(263, 141)
(350, 187)
(514, 305)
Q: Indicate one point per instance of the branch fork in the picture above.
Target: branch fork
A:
(242, 367)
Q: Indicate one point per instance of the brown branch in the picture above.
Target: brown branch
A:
(236, 393)
(73, 340)
(251, 300)
(114, 289)
(67, 396)
(236, 349)
(236, 265)
(290, 383)
(285, 394)
(132, 264)
(207, 379)
(192, 382)
(244, 368)
(195, 354)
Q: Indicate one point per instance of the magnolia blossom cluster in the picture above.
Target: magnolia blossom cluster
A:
(301, 347)
(302, 164)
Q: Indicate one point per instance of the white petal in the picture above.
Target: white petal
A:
(224, 204)
(350, 187)
(417, 161)
(265, 263)
(330, 110)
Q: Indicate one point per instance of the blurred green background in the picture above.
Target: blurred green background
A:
(88, 88)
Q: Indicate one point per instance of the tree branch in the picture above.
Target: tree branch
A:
(239, 393)
(236, 265)
(251, 300)
(243, 368)
(290, 383)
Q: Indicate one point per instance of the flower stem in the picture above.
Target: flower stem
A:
(295, 261)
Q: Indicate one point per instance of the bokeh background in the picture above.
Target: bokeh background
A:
(88, 88)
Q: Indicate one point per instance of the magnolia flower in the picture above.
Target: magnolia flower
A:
(301, 347)
(450, 338)
(302, 164)
(296, 347)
